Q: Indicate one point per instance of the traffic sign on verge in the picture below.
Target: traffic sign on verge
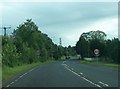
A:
(96, 52)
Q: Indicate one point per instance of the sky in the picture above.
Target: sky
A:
(65, 20)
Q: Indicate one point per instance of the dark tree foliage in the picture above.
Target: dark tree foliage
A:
(27, 44)
(82, 47)
(92, 40)
(112, 47)
(97, 44)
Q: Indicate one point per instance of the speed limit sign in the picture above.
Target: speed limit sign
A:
(96, 52)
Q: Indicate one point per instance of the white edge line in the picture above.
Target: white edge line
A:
(83, 78)
(11, 82)
(19, 78)
(16, 80)
(8, 85)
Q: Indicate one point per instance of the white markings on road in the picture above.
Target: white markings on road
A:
(81, 73)
(31, 70)
(8, 85)
(64, 62)
(16, 80)
(81, 76)
(11, 82)
(19, 78)
(104, 84)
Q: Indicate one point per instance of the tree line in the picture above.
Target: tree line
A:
(89, 41)
(27, 44)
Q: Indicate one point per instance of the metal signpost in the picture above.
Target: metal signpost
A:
(96, 52)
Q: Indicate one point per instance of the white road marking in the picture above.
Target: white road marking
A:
(31, 70)
(72, 68)
(19, 78)
(81, 73)
(11, 82)
(64, 62)
(83, 77)
(26, 73)
(103, 84)
(16, 80)
(65, 65)
(7, 85)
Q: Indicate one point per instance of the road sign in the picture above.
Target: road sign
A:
(96, 52)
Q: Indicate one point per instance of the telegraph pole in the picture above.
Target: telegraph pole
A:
(5, 29)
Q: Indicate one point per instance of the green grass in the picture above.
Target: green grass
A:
(8, 72)
(100, 63)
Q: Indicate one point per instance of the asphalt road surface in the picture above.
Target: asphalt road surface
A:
(68, 73)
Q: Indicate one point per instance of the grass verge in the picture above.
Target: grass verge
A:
(100, 63)
(8, 72)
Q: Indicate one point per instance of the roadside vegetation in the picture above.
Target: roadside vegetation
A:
(27, 47)
(109, 48)
(9, 72)
(98, 63)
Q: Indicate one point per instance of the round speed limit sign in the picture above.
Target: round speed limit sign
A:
(96, 52)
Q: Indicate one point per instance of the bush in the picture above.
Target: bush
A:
(10, 57)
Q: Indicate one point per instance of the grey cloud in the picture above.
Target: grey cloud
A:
(59, 17)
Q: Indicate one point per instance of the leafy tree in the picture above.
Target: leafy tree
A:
(112, 50)
(28, 54)
(97, 44)
(90, 41)
(10, 56)
(71, 51)
(31, 44)
(82, 47)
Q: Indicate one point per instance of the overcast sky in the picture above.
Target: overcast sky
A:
(67, 20)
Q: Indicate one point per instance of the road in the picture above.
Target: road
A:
(68, 73)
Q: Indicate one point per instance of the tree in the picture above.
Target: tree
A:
(91, 35)
(27, 44)
(90, 41)
(71, 51)
(82, 47)
(26, 32)
(112, 47)
(10, 57)
(97, 44)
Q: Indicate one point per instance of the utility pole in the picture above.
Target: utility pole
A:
(5, 28)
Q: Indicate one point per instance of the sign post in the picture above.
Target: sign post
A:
(96, 52)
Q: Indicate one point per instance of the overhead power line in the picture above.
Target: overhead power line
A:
(5, 28)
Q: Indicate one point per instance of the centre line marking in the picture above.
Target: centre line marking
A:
(81, 73)
(83, 77)
(103, 84)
